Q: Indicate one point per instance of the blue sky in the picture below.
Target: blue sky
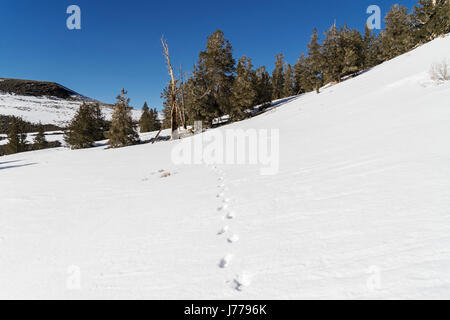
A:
(119, 43)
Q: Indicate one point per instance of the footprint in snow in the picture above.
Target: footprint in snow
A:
(221, 195)
(242, 281)
(223, 208)
(225, 262)
(226, 200)
(223, 187)
(223, 230)
(231, 215)
(233, 239)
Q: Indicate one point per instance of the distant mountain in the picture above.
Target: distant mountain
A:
(37, 88)
(45, 102)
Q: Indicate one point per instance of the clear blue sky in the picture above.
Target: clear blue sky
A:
(119, 44)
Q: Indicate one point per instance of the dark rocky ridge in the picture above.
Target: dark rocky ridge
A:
(37, 89)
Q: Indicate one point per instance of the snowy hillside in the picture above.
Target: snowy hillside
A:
(359, 208)
(47, 110)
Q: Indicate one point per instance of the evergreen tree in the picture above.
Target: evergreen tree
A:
(278, 78)
(122, 131)
(315, 62)
(308, 77)
(263, 88)
(87, 126)
(352, 44)
(288, 89)
(16, 137)
(431, 18)
(370, 48)
(189, 102)
(145, 121)
(299, 75)
(40, 142)
(244, 92)
(167, 105)
(213, 79)
(154, 123)
(101, 125)
(396, 38)
(333, 54)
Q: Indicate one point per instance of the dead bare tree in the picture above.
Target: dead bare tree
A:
(174, 111)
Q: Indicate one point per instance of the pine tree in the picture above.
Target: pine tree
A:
(431, 18)
(315, 62)
(145, 121)
(40, 142)
(308, 77)
(101, 126)
(278, 78)
(370, 48)
(288, 89)
(396, 38)
(154, 123)
(189, 102)
(213, 79)
(16, 137)
(332, 53)
(352, 45)
(122, 131)
(244, 92)
(299, 75)
(87, 126)
(167, 104)
(263, 88)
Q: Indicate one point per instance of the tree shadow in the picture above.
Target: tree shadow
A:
(6, 162)
(160, 138)
(16, 166)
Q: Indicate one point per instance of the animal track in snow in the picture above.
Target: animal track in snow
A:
(234, 238)
(242, 282)
(223, 207)
(222, 187)
(225, 262)
(220, 195)
(223, 230)
(231, 215)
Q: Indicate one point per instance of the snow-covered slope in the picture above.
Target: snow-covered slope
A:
(360, 206)
(47, 110)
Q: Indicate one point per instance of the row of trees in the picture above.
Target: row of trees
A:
(17, 139)
(345, 51)
(219, 86)
(89, 125)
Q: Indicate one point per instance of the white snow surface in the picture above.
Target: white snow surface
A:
(47, 110)
(360, 208)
